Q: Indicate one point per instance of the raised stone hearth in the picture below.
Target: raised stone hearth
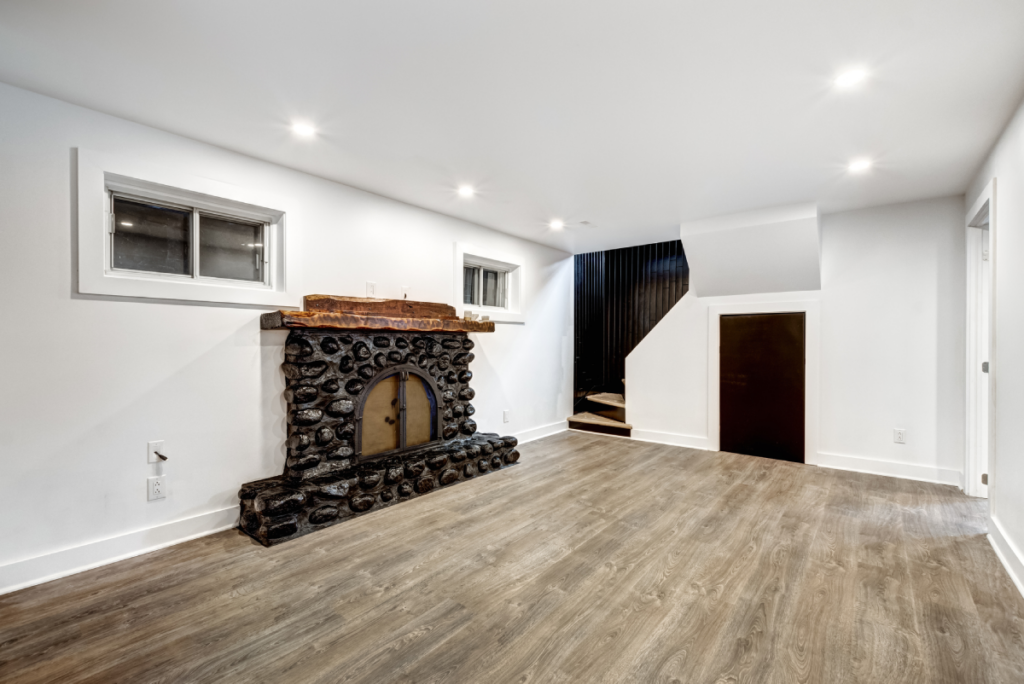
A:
(339, 380)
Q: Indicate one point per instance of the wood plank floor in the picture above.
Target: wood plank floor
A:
(596, 560)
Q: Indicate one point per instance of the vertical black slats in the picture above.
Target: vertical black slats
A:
(620, 295)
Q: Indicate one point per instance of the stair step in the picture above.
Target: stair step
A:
(594, 419)
(608, 398)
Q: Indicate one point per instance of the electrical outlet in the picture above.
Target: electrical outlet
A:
(899, 436)
(156, 487)
(506, 416)
(371, 289)
(152, 448)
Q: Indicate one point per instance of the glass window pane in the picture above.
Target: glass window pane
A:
(493, 288)
(230, 249)
(420, 412)
(469, 280)
(151, 238)
(380, 417)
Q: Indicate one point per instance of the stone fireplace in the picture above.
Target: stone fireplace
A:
(379, 412)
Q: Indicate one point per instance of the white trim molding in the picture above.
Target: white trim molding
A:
(674, 439)
(980, 438)
(812, 346)
(532, 434)
(100, 173)
(875, 466)
(32, 571)
(1009, 555)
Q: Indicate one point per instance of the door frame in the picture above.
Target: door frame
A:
(812, 335)
(975, 461)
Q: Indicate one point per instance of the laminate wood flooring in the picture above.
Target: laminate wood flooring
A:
(597, 559)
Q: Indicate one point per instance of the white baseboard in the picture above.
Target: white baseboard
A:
(1008, 553)
(51, 566)
(691, 441)
(32, 571)
(525, 436)
(907, 471)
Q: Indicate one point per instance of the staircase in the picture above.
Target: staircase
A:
(603, 412)
(619, 296)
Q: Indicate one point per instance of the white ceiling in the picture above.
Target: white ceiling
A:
(634, 115)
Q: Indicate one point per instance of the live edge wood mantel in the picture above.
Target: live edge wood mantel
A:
(358, 313)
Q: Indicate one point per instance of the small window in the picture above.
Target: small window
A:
(484, 286)
(176, 240)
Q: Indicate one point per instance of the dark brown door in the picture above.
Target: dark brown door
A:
(762, 385)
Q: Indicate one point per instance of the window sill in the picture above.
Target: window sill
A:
(496, 315)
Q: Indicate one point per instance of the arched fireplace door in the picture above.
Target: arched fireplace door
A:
(396, 411)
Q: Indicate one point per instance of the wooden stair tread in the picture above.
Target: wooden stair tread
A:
(594, 419)
(608, 398)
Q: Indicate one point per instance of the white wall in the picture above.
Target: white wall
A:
(87, 381)
(773, 250)
(1006, 465)
(891, 347)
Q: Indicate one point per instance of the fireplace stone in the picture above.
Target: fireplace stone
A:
(330, 373)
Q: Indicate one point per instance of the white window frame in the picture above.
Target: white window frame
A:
(102, 176)
(510, 265)
(502, 272)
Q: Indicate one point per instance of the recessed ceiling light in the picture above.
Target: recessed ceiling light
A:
(850, 78)
(466, 191)
(859, 165)
(303, 129)
(556, 224)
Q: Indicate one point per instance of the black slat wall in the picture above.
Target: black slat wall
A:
(621, 294)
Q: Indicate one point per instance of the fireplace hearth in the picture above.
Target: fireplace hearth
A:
(379, 412)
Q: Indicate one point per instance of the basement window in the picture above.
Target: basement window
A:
(484, 286)
(152, 232)
(181, 241)
(488, 282)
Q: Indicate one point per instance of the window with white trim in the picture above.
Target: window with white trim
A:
(488, 283)
(161, 238)
(158, 232)
(484, 286)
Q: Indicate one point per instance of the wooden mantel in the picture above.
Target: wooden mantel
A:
(359, 313)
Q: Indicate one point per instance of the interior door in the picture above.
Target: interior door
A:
(762, 384)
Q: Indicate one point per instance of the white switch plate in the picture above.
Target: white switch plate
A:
(152, 448)
(156, 487)
(371, 288)
(506, 416)
(899, 436)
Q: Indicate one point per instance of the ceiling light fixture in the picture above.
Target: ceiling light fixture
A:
(556, 224)
(850, 78)
(859, 165)
(303, 129)
(466, 191)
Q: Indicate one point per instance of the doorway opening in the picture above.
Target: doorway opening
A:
(762, 371)
(980, 352)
